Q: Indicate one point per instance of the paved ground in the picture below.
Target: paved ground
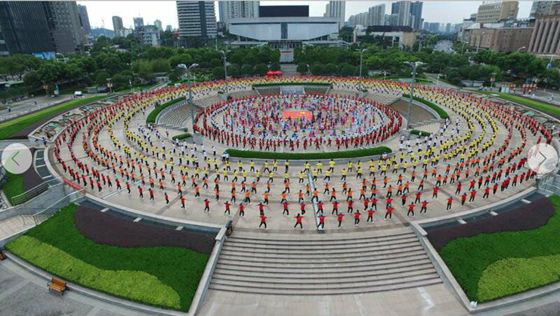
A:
(31, 105)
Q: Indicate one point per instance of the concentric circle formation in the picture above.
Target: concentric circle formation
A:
(299, 122)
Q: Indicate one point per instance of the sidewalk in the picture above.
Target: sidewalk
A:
(30, 105)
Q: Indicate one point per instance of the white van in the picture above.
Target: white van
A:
(78, 94)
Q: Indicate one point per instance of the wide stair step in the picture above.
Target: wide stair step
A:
(323, 265)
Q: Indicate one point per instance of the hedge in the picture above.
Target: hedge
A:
(492, 266)
(441, 112)
(420, 133)
(308, 156)
(182, 136)
(151, 119)
(166, 277)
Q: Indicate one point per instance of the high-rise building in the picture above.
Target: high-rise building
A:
(542, 7)
(493, 12)
(196, 19)
(237, 9)
(118, 26)
(151, 35)
(376, 15)
(432, 27)
(336, 9)
(84, 18)
(402, 11)
(169, 28)
(138, 23)
(24, 28)
(158, 24)
(416, 15)
(545, 39)
(66, 30)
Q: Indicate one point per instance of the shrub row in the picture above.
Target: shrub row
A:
(151, 119)
(441, 112)
(182, 136)
(420, 133)
(308, 156)
(291, 83)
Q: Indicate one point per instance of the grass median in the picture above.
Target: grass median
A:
(14, 186)
(166, 277)
(151, 119)
(11, 127)
(537, 105)
(182, 136)
(441, 112)
(309, 156)
(494, 265)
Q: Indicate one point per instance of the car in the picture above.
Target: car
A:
(78, 94)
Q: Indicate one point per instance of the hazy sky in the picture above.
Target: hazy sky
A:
(100, 12)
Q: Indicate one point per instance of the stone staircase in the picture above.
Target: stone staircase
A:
(15, 224)
(351, 263)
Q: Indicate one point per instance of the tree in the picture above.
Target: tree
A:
(247, 70)
(347, 70)
(331, 69)
(218, 72)
(317, 69)
(261, 69)
(234, 70)
(32, 80)
(160, 65)
(302, 69)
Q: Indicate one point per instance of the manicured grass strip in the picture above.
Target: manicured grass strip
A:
(441, 112)
(182, 136)
(161, 276)
(541, 106)
(11, 127)
(491, 266)
(292, 83)
(151, 119)
(308, 156)
(420, 133)
(134, 285)
(14, 186)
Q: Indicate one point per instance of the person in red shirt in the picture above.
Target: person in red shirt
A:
(370, 214)
(206, 205)
(418, 196)
(389, 202)
(350, 206)
(374, 203)
(299, 221)
(389, 212)
(410, 209)
(241, 209)
(320, 206)
(424, 207)
(339, 217)
(302, 208)
(321, 221)
(449, 203)
(486, 192)
(463, 198)
(403, 199)
(183, 199)
(227, 205)
(357, 217)
(459, 186)
(285, 205)
(434, 195)
(166, 197)
(473, 195)
(263, 221)
(151, 193)
(261, 208)
(335, 207)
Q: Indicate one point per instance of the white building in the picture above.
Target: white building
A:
(196, 19)
(237, 9)
(376, 15)
(336, 9)
(151, 35)
(401, 10)
(158, 24)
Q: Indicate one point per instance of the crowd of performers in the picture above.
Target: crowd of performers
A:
(257, 123)
(471, 163)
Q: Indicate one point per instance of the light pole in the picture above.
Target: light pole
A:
(361, 60)
(308, 69)
(412, 64)
(189, 87)
(225, 69)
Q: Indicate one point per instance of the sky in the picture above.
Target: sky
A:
(101, 12)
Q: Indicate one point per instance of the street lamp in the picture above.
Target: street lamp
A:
(361, 60)
(412, 64)
(110, 85)
(308, 69)
(188, 71)
(225, 69)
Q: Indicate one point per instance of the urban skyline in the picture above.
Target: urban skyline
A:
(166, 11)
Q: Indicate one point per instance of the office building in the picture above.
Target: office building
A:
(493, 12)
(542, 7)
(336, 9)
(151, 35)
(499, 38)
(416, 15)
(157, 23)
(376, 15)
(169, 28)
(359, 19)
(401, 10)
(545, 40)
(138, 23)
(65, 26)
(196, 19)
(24, 28)
(84, 18)
(237, 9)
(395, 36)
(431, 27)
(118, 26)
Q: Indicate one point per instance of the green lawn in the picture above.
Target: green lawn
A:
(161, 276)
(491, 266)
(153, 115)
(441, 112)
(14, 186)
(541, 106)
(306, 156)
(11, 127)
